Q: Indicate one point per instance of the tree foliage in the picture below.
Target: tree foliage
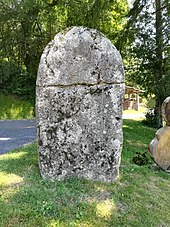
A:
(26, 26)
(141, 34)
(147, 58)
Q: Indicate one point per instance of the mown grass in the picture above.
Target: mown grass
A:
(15, 108)
(139, 198)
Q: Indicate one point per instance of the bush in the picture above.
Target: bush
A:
(13, 107)
(150, 119)
(8, 76)
(16, 81)
(141, 159)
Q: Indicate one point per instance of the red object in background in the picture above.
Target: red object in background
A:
(149, 150)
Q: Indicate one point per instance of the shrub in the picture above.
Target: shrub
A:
(141, 159)
(150, 119)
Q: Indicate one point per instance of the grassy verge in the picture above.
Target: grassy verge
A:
(14, 108)
(139, 198)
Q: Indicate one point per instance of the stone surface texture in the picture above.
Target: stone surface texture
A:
(166, 110)
(79, 97)
(160, 145)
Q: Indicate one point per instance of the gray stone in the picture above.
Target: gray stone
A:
(80, 91)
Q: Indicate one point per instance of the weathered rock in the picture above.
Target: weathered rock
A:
(160, 146)
(80, 90)
(166, 110)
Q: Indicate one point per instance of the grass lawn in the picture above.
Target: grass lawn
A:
(141, 196)
(15, 108)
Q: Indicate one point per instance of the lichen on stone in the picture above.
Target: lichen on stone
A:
(80, 91)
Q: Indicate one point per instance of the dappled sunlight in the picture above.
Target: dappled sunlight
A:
(76, 223)
(105, 209)
(127, 126)
(54, 223)
(138, 119)
(99, 188)
(84, 224)
(141, 110)
(136, 143)
(12, 108)
(13, 155)
(101, 199)
(9, 179)
(15, 111)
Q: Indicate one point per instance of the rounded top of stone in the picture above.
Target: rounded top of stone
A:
(166, 110)
(80, 56)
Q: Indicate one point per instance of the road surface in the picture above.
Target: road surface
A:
(15, 133)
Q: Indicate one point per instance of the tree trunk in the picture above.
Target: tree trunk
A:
(158, 113)
(159, 63)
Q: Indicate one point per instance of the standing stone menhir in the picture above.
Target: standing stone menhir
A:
(80, 91)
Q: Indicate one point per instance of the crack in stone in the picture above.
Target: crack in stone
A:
(81, 84)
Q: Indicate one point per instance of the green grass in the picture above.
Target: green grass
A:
(139, 198)
(15, 108)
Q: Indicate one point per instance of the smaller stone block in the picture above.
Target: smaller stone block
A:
(166, 110)
(162, 151)
(159, 147)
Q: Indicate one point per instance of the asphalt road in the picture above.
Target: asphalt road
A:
(15, 133)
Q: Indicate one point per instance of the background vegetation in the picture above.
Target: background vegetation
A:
(141, 33)
(15, 108)
(27, 26)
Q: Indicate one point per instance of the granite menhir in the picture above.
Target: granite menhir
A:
(79, 99)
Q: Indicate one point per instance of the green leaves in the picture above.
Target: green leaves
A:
(147, 56)
(27, 26)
